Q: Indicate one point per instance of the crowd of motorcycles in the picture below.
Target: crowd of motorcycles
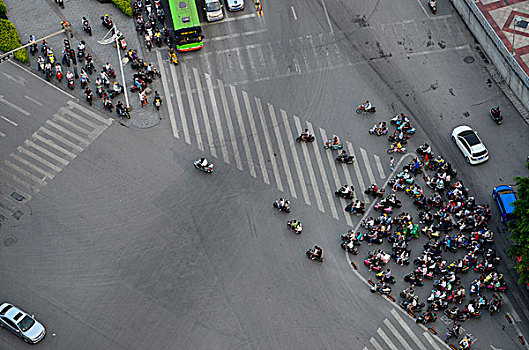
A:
(105, 85)
(453, 223)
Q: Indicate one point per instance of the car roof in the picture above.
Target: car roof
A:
(507, 197)
(471, 137)
(13, 313)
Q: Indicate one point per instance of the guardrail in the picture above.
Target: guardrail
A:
(499, 43)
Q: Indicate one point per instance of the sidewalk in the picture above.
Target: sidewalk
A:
(43, 17)
(500, 15)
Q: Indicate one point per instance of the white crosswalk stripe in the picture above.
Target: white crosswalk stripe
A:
(400, 332)
(41, 157)
(168, 99)
(267, 139)
(255, 136)
(310, 169)
(205, 118)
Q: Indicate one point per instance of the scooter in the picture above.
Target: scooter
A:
(207, 169)
(345, 159)
(71, 84)
(361, 109)
(285, 207)
(296, 229)
(433, 7)
(310, 254)
(305, 138)
(495, 114)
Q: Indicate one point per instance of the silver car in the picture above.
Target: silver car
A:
(20, 323)
(235, 5)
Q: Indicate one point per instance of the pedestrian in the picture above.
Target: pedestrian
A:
(392, 163)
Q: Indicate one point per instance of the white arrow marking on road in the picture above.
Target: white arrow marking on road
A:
(12, 105)
(18, 79)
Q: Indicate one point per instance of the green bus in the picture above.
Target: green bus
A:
(188, 33)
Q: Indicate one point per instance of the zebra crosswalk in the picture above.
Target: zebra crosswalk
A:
(230, 124)
(395, 334)
(38, 159)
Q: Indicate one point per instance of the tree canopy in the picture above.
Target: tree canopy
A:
(520, 229)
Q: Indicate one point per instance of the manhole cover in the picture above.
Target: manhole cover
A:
(17, 214)
(10, 241)
(468, 59)
(17, 196)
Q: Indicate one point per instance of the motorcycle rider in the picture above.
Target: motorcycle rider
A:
(294, 224)
(89, 95)
(317, 252)
(143, 98)
(496, 112)
(81, 47)
(69, 75)
(117, 88)
(99, 85)
(33, 44)
(367, 106)
(203, 162)
(335, 141)
(104, 78)
(347, 190)
(305, 135)
(157, 98)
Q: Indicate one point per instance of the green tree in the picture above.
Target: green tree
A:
(520, 229)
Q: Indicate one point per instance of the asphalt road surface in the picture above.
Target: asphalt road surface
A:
(121, 243)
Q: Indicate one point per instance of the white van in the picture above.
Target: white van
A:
(213, 10)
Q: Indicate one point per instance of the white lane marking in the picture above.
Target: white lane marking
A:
(19, 180)
(64, 120)
(68, 132)
(229, 19)
(327, 15)
(255, 137)
(205, 117)
(294, 13)
(13, 106)
(375, 344)
(8, 120)
(282, 151)
(308, 163)
(180, 104)
(397, 334)
(54, 145)
(319, 160)
(367, 164)
(231, 131)
(423, 9)
(386, 339)
(90, 113)
(238, 35)
(189, 94)
(2, 134)
(68, 111)
(269, 145)
(33, 100)
(25, 173)
(60, 138)
(405, 326)
(379, 167)
(297, 165)
(216, 116)
(167, 96)
(41, 78)
(358, 173)
(38, 158)
(32, 166)
(431, 341)
(242, 130)
(46, 152)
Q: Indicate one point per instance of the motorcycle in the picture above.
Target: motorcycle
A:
(345, 159)
(80, 55)
(107, 23)
(83, 82)
(379, 193)
(285, 207)
(305, 138)
(60, 3)
(312, 256)
(422, 151)
(135, 88)
(381, 289)
(89, 67)
(375, 130)
(495, 114)
(174, 58)
(99, 90)
(157, 102)
(381, 276)
(123, 113)
(297, 229)
(207, 169)
(58, 72)
(71, 84)
(413, 280)
(329, 145)
(341, 192)
(33, 49)
(432, 6)
(416, 308)
(353, 209)
(384, 207)
(87, 28)
(393, 148)
(361, 109)
(426, 317)
(396, 138)
(399, 119)
(110, 72)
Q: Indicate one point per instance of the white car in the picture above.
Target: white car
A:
(20, 323)
(470, 144)
(235, 5)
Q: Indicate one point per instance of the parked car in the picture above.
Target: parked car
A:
(504, 197)
(470, 144)
(235, 5)
(21, 323)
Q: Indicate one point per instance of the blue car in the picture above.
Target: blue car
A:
(504, 197)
